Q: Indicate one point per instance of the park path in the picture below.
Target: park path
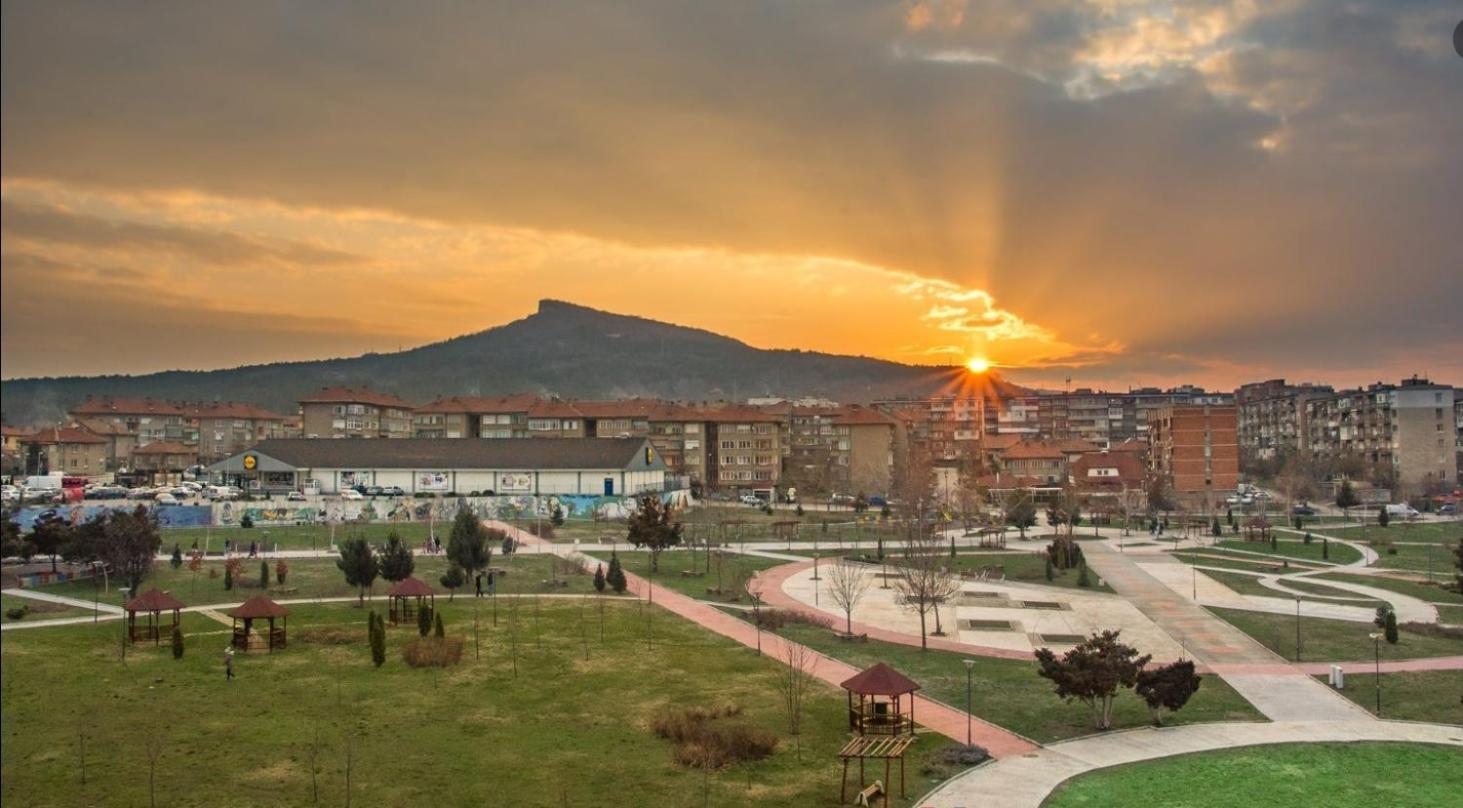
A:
(32, 594)
(1026, 780)
(1280, 691)
(931, 714)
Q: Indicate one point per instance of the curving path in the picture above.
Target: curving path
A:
(1025, 781)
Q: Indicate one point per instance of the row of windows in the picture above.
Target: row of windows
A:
(746, 460)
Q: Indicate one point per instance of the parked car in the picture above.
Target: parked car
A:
(1448, 508)
(1303, 510)
(141, 493)
(878, 502)
(748, 499)
(841, 499)
(1402, 511)
(393, 491)
(295, 496)
(166, 498)
(373, 490)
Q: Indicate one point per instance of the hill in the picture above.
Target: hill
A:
(563, 349)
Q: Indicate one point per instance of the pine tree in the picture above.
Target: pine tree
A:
(452, 579)
(616, 576)
(1325, 549)
(437, 629)
(177, 557)
(359, 565)
(1215, 528)
(599, 578)
(1390, 629)
(228, 577)
(397, 562)
(377, 636)
(424, 620)
(177, 642)
(1082, 579)
(1383, 518)
(263, 574)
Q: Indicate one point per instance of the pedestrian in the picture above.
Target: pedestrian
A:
(226, 547)
(229, 664)
(492, 582)
(479, 581)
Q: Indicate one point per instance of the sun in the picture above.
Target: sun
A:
(977, 364)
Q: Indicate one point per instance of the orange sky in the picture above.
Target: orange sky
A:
(1117, 193)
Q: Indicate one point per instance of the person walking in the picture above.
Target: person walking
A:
(229, 664)
(479, 581)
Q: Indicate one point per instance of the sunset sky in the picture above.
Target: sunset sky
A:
(1117, 192)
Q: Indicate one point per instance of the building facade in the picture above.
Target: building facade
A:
(66, 450)
(347, 412)
(1274, 417)
(1195, 449)
(1411, 428)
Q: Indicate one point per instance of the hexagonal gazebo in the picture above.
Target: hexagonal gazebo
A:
(259, 607)
(399, 599)
(153, 602)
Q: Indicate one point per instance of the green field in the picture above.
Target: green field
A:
(734, 571)
(1421, 591)
(1250, 585)
(1010, 694)
(38, 609)
(1325, 640)
(1235, 561)
(1340, 553)
(1359, 775)
(298, 537)
(566, 730)
(1401, 531)
(1435, 696)
(1433, 558)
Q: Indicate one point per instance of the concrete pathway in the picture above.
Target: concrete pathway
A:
(32, 594)
(932, 714)
(1027, 780)
(1212, 641)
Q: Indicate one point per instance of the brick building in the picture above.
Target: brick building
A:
(1195, 448)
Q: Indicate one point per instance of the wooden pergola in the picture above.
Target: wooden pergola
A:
(153, 602)
(259, 607)
(399, 599)
(1257, 528)
(886, 748)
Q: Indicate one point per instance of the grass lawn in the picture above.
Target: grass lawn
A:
(1337, 775)
(1435, 696)
(1435, 532)
(1451, 614)
(1421, 591)
(298, 537)
(1340, 640)
(1218, 557)
(1027, 568)
(566, 730)
(735, 571)
(1250, 585)
(38, 609)
(1010, 694)
(320, 578)
(1419, 558)
(1340, 553)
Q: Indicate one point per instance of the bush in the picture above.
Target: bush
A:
(327, 635)
(425, 652)
(437, 630)
(281, 569)
(1082, 579)
(1390, 629)
(177, 560)
(247, 521)
(962, 755)
(774, 619)
(424, 620)
(377, 637)
(177, 643)
(263, 574)
(599, 578)
(17, 613)
(228, 576)
(703, 743)
(1380, 620)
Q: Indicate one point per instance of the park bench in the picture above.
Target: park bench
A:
(874, 791)
(286, 590)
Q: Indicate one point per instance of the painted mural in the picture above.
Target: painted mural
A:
(167, 515)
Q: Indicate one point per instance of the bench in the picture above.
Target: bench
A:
(286, 590)
(874, 791)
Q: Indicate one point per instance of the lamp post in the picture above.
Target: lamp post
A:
(969, 669)
(1377, 646)
(1297, 628)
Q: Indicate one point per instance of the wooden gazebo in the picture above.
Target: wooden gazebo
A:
(1257, 529)
(399, 600)
(259, 607)
(882, 730)
(153, 602)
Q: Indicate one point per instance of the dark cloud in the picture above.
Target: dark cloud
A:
(1001, 145)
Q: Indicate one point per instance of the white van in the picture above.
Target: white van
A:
(1402, 512)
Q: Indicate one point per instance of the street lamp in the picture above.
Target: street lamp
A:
(969, 668)
(1297, 628)
(1377, 645)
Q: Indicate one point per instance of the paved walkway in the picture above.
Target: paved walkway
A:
(928, 713)
(1287, 694)
(104, 608)
(1025, 781)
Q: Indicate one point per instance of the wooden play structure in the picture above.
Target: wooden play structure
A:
(882, 730)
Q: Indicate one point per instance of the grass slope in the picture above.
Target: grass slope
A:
(1340, 640)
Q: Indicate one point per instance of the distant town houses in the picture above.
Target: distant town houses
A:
(1193, 443)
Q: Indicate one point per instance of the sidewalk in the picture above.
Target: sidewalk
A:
(1027, 780)
(32, 594)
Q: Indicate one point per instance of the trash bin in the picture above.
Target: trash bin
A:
(1338, 677)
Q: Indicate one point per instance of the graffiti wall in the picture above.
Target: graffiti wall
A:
(167, 516)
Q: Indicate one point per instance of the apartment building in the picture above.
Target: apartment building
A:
(1274, 416)
(941, 427)
(63, 449)
(1412, 427)
(827, 449)
(1096, 416)
(148, 420)
(1037, 460)
(219, 429)
(347, 412)
(120, 442)
(1194, 448)
(744, 447)
(162, 461)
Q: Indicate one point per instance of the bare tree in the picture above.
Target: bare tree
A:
(847, 585)
(794, 683)
(513, 634)
(152, 746)
(923, 581)
(312, 756)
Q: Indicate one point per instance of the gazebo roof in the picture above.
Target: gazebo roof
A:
(153, 600)
(1258, 521)
(410, 588)
(259, 606)
(880, 680)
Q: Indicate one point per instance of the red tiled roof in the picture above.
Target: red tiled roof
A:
(410, 588)
(733, 413)
(102, 427)
(259, 606)
(1032, 450)
(861, 416)
(1130, 469)
(228, 409)
(65, 434)
(1075, 446)
(999, 442)
(355, 395)
(554, 408)
(154, 600)
(880, 680)
(517, 402)
(165, 447)
(107, 405)
(1003, 481)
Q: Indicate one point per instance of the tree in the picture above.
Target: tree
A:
(1167, 687)
(556, 517)
(177, 559)
(1346, 498)
(1082, 579)
(1458, 562)
(424, 620)
(1020, 510)
(1390, 629)
(125, 541)
(616, 575)
(1383, 518)
(376, 635)
(650, 526)
(1215, 529)
(599, 578)
(1092, 672)
(847, 585)
(437, 629)
(359, 565)
(794, 682)
(50, 534)
(281, 570)
(11, 541)
(177, 642)
(923, 583)
(453, 578)
(1049, 569)
(1159, 499)
(397, 562)
(228, 576)
(467, 544)
(263, 574)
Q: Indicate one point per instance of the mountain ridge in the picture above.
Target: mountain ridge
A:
(562, 349)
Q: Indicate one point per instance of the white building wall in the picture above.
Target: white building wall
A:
(404, 479)
(558, 482)
(475, 480)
